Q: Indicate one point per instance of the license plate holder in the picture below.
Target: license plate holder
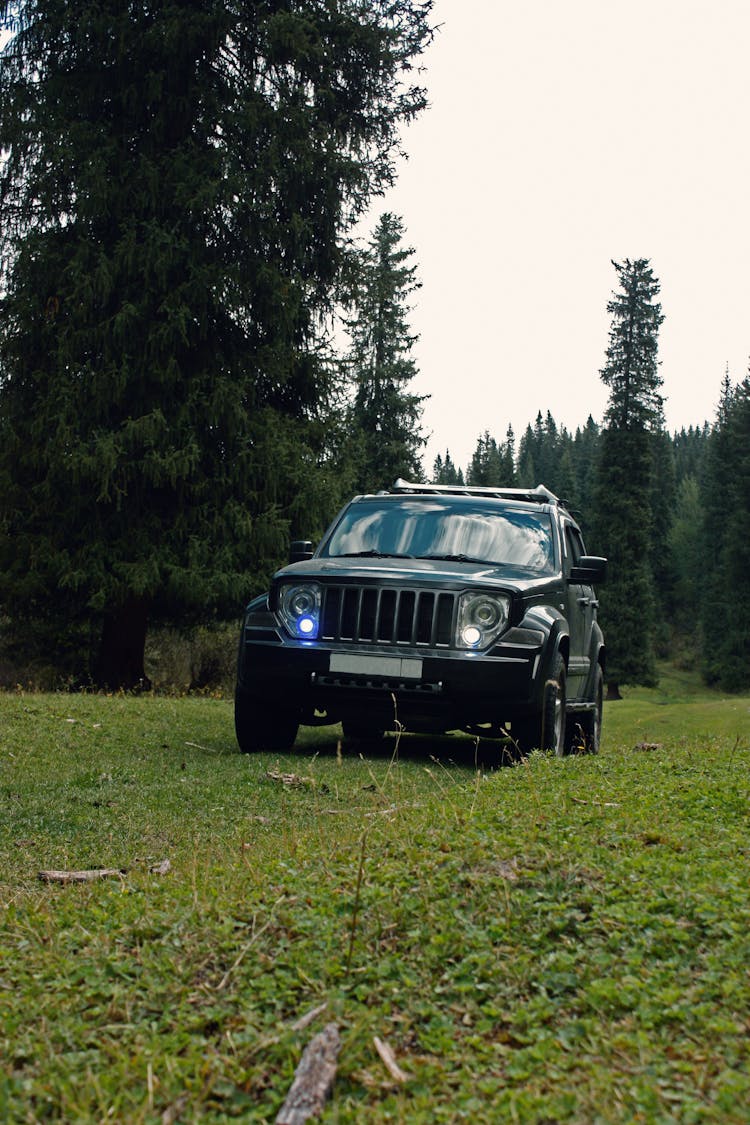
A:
(385, 667)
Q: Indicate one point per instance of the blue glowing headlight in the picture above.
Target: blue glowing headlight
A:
(299, 607)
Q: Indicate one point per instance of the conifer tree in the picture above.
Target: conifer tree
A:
(663, 500)
(689, 452)
(484, 469)
(493, 464)
(564, 477)
(507, 453)
(527, 469)
(444, 470)
(386, 415)
(585, 460)
(686, 556)
(174, 186)
(623, 516)
(550, 447)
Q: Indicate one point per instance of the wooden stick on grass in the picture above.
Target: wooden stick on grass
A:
(82, 876)
(313, 1078)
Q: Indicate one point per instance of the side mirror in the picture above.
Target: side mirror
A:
(300, 550)
(591, 570)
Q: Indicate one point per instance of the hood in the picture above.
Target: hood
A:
(421, 571)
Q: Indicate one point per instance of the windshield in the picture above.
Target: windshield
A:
(471, 530)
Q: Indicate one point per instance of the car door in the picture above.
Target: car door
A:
(580, 611)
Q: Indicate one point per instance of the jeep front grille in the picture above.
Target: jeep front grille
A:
(387, 616)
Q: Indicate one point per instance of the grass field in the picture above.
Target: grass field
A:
(560, 941)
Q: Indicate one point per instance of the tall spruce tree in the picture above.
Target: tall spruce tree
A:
(623, 516)
(174, 186)
(508, 459)
(386, 416)
(527, 473)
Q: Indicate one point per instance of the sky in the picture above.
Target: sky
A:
(561, 136)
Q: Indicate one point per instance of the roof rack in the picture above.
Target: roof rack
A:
(538, 495)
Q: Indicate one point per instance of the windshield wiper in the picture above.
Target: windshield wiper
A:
(371, 554)
(458, 558)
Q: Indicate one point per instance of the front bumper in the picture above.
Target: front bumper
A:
(419, 688)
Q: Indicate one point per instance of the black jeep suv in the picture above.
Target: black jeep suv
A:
(429, 608)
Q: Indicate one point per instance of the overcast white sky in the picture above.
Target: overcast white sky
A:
(562, 135)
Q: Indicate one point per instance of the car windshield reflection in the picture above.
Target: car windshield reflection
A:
(472, 531)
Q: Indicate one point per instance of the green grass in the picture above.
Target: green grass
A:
(562, 941)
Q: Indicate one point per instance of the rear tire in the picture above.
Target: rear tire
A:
(585, 736)
(259, 728)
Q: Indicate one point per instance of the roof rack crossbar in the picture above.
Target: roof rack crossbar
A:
(540, 495)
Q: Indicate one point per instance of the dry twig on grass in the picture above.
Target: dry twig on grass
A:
(389, 1060)
(82, 876)
(309, 1017)
(313, 1078)
(96, 873)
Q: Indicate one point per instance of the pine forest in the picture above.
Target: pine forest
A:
(199, 362)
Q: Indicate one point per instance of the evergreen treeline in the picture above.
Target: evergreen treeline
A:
(704, 489)
(670, 512)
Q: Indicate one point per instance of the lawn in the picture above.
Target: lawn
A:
(560, 941)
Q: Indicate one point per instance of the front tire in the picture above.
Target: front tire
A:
(553, 710)
(545, 730)
(258, 727)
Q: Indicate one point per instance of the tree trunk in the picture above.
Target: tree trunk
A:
(613, 690)
(123, 644)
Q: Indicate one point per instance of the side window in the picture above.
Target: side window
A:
(573, 545)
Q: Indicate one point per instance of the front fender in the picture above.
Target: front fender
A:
(553, 624)
(258, 622)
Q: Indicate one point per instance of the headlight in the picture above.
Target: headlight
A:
(481, 619)
(299, 607)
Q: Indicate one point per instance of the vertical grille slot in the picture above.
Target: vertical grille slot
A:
(372, 615)
(423, 618)
(405, 621)
(444, 620)
(350, 614)
(387, 621)
(330, 614)
(368, 615)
